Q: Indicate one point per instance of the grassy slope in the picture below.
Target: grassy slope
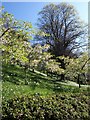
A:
(16, 82)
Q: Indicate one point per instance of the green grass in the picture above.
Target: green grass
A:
(17, 82)
(11, 90)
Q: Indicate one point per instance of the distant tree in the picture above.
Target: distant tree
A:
(63, 27)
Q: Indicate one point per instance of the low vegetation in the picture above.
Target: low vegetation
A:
(53, 107)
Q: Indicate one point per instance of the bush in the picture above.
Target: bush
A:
(55, 107)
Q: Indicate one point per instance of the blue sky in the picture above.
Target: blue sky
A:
(29, 10)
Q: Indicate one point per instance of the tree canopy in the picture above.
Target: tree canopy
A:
(64, 29)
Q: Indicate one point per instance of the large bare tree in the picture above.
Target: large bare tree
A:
(63, 27)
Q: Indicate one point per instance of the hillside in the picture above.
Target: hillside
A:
(17, 82)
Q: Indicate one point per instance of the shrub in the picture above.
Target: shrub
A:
(54, 107)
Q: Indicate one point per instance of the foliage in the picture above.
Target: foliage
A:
(14, 38)
(54, 107)
(53, 67)
(75, 67)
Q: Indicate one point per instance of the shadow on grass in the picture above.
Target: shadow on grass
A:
(18, 75)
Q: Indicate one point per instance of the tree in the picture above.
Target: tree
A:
(53, 68)
(63, 27)
(38, 56)
(76, 68)
(34, 56)
(9, 23)
(14, 37)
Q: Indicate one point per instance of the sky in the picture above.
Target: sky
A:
(28, 11)
(45, 0)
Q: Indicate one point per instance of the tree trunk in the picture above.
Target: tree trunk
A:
(62, 76)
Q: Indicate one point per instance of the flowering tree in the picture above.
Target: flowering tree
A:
(38, 56)
(14, 37)
(76, 68)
